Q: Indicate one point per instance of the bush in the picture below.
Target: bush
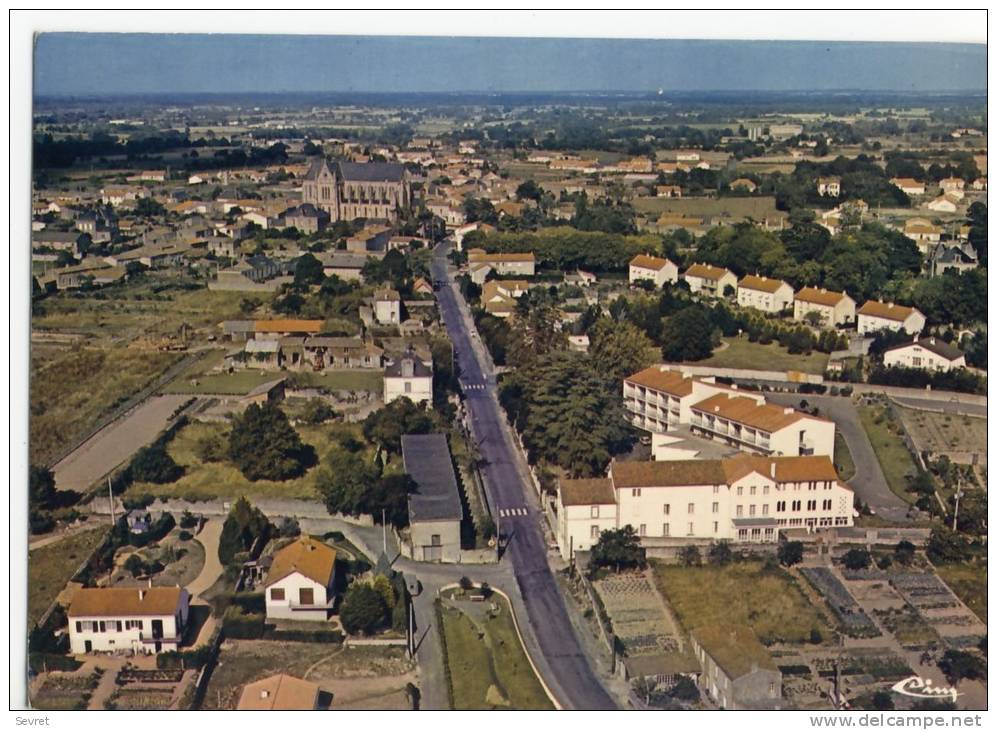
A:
(40, 522)
(154, 464)
(857, 559)
(187, 520)
(310, 637)
(264, 445)
(363, 610)
(211, 448)
(190, 659)
(317, 411)
(237, 624)
(184, 536)
(791, 552)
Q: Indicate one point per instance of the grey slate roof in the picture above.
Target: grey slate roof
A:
(427, 460)
(359, 171)
(419, 369)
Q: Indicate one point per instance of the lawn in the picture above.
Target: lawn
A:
(941, 432)
(740, 353)
(488, 667)
(205, 480)
(243, 381)
(50, 567)
(75, 389)
(843, 458)
(969, 582)
(894, 458)
(741, 207)
(769, 601)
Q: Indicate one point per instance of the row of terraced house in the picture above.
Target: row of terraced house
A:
(824, 307)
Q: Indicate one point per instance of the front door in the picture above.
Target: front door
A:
(87, 646)
(157, 628)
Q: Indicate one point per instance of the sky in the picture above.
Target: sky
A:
(106, 63)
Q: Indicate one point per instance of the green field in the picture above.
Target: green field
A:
(206, 480)
(894, 458)
(740, 353)
(757, 208)
(73, 389)
(243, 381)
(969, 582)
(50, 567)
(843, 458)
(488, 668)
(769, 601)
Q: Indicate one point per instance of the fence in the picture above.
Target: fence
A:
(204, 676)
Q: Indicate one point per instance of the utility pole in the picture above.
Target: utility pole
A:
(384, 532)
(110, 498)
(955, 514)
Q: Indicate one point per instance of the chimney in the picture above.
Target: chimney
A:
(932, 340)
(787, 410)
(264, 693)
(889, 305)
(141, 594)
(772, 469)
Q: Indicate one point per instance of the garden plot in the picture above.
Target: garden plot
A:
(66, 691)
(637, 614)
(945, 433)
(939, 608)
(845, 607)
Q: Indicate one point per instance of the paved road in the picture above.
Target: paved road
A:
(572, 680)
(869, 482)
(115, 443)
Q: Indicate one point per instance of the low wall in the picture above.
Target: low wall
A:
(776, 376)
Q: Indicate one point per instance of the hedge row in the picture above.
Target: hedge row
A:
(312, 637)
(237, 624)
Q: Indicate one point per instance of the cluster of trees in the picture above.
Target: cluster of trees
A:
(351, 482)
(618, 549)
(565, 248)
(264, 445)
(371, 605)
(567, 411)
(243, 526)
(861, 178)
(954, 298)
(958, 379)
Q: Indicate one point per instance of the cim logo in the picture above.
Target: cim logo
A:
(922, 689)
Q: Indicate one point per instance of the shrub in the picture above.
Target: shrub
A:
(791, 552)
(857, 559)
(154, 464)
(184, 536)
(363, 610)
(237, 624)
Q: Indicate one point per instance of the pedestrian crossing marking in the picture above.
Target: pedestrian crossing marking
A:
(473, 386)
(514, 512)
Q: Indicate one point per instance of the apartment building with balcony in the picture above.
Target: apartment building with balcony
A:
(765, 294)
(834, 308)
(711, 281)
(744, 499)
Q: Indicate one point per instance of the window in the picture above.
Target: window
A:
(666, 529)
(716, 489)
(753, 490)
(276, 594)
(668, 509)
(690, 529)
(811, 504)
(130, 625)
(780, 506)
(306, 596)
(796, 505)
(827, 504)
(716, 507)
(769, 533)
(765, 510)
(595, 532)
(692, 507)
(635, 492)
(408, 387)
(751, 510)
(742, 534)
(435, 540)
(642, 531)
(716, 527)
(595, 510)
(740, 491)
(765, 489)
(740, 510)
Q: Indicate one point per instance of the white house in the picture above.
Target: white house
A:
(742, 499)
(908, 185)
(709, 280)
(387, 307)
(653, 268)
(943, 204)
(299, 584)
(143, 620)
(922, 232)
(503, 264)
(951, 184)
(408, 377)
(829, 186)
(835, 308)
(498, 297)
(875, 315)
(927, 353)
(761, 292)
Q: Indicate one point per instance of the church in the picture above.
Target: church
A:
(348, 190)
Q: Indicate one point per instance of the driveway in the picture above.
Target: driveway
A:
(115, 443)
(209, 537)
(869, 482)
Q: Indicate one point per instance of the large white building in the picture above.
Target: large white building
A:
(874, 316)
(652, 268)
(927, 353)
(299, 584)
(144, 620)
(480, 264)
(659, 400)
(709, 280)
(387, 307)
(835, 308)
(745, 499)
(761, 292)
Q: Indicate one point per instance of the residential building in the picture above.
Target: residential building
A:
(835, 308)
(299, 583)
(909, 185)
(652, 268)
(371, 238)
(743, 184)
(659, 399)
(408, 377)
(922, 232)
(758, 427)
(387, 306)
(877, 315)
(435, 509)
(306, 217)
(347, 190)
(761, 292)
(951, 184)
(480, 264)
(279, 692)
(738, 671)
(959, 258)
(744, 499)
(461, 231)
(926, 353)
(144, 620)
(277, 328)
(498, 297)
(711, 281)
(668, 191)
(347, 266)
(829, 186)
